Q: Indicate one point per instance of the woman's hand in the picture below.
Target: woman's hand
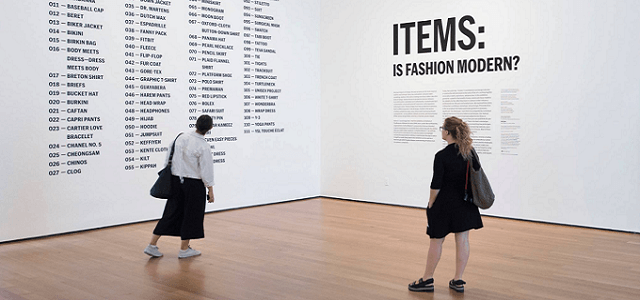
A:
(211, 197)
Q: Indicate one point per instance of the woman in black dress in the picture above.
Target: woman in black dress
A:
(447, 210)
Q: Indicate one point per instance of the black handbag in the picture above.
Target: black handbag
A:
(162, 187)
(482, 194)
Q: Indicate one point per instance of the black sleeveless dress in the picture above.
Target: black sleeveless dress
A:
(450, 213)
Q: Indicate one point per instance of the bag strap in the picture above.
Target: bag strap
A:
(173, 148)
(475, 154)
(466, 181)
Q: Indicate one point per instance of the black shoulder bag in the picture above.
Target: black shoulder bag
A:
(162, 187)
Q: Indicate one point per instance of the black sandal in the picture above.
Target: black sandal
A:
(422, 285)
(457, 285)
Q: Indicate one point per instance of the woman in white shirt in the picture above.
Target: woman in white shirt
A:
(192, 175)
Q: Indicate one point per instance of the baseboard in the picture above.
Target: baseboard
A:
(486, 215)
(302, 199)
(143, 221)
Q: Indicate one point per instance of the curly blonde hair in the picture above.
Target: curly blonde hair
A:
(461, 134)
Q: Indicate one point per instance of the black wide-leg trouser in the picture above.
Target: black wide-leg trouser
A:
(184, 212)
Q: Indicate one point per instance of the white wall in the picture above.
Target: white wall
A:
(579, 109)
(259, 168)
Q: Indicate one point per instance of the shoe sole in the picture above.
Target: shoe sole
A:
(457, 289)
(189, 255)
(424, 289)
(151, 254)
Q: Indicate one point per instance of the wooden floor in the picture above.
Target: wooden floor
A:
(323, 249)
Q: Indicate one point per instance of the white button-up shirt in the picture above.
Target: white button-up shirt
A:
(192, 158)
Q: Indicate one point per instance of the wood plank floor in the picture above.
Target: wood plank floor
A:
(323, 249)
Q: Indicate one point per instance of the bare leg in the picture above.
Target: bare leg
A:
(435, 250)
(154, 239)
(462, 253)
(184, 244)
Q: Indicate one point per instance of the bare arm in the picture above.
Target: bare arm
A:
(432, 197)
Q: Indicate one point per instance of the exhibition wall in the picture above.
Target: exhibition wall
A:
(551, 90)
(95, 91)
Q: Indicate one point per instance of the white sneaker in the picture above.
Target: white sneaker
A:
(188, 253)
(152, 250)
